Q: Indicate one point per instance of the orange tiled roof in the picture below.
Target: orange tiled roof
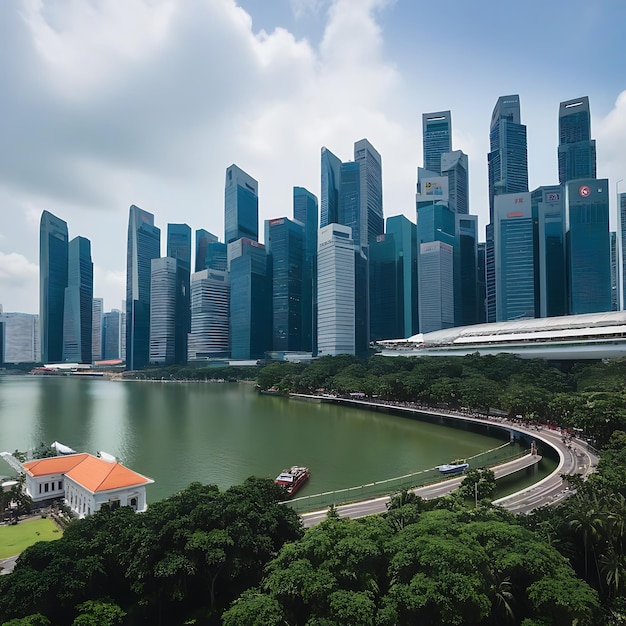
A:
(92, 473)
(54, 465)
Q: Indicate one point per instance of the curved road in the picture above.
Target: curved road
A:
(574, 458)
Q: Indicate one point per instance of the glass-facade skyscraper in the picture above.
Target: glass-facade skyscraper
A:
(284, 241)
(241, 206)
(331, 182)
(386, 303)
(436, 137)
(53, 255)
(465, 270)
(404, 232)
(250, 300)
(371, 221)
(305, 211)
(78, 309)
(548, 210)
(144, 244)
(454, 165)
(112, 330)
(622, 248)
(179, 248)
(203, 239)
(588, 245)
(577, 150)
(514, 254)
(96, 329)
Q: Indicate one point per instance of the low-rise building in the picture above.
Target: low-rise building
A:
(85, 482)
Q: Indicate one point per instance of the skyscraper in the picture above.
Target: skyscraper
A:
(466, 270)
(96, 329)
(622, 251)
(513, 236)
(179, 248)
(588, 246)
(19, 340)
(577, 151)
(241, 206)
(454, 165)
(508, 157)
(432, 188)
(144, 244)
(507, 164)
(548, 206)
(284, 241)
(53, 251)
(350, 199)
(305, 211)
(405, 235)
(370, 193)
(331, 182)
(437, 138)
(386, 302)
(335, 291)
(203, 239)
(210, 312)
(78, 308)
(250, 300)
(163, 301)
(112, 331)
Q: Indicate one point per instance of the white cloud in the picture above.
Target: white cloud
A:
(19, 278)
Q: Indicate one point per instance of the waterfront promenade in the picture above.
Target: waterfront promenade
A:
(574, 458)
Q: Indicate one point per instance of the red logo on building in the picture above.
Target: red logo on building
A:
(584, 191)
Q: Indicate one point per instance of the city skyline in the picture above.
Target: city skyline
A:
(90, 151)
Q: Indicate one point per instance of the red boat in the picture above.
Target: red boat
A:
(293, 478)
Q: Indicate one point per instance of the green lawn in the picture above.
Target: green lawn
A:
(14, 539)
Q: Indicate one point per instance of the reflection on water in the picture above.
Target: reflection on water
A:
(177, 433)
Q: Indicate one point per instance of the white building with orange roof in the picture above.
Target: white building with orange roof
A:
(86, 482)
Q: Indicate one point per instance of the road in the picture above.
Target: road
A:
(574, 458)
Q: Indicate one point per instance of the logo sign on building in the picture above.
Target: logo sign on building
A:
(553, 196)
(584, 191)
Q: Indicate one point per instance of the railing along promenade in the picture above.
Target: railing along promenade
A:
(489, 458)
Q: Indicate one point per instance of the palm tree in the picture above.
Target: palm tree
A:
(589, 521)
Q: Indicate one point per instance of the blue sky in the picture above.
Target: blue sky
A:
(106, 104)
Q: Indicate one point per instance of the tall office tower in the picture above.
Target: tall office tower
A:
(19, 338)
(217, 256)
(203, 239)
(507, 164)
(53, 250)
(432, 188)
(622, 248)
(614, 273)
(210, 313)
(78, 308)
(386, 302)
(482, 291)
(250, 300)
(435, 225)
(436, 286)
(514, 253)
(96, 329)
(335, 291)
(405, 235)
(163, 309)
(508, 157)
(331, 182)
(466, 270)
(437, 138)
(454, 165)
(123, 332)
(350, 199)
(179, 248)
(284, 240)
(241, 206)
(361, 302)
(144, 244)
(370, 193)
(548, 206)
(588, 246)
(577, 150)
(305, 211)
(111, 335)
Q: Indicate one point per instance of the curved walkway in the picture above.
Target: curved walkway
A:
(574, 458)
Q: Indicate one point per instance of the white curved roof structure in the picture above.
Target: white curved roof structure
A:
(590, 336)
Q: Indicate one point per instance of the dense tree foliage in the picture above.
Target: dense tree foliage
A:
(187, 557)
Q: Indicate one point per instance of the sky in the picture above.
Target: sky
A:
(104, 104)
